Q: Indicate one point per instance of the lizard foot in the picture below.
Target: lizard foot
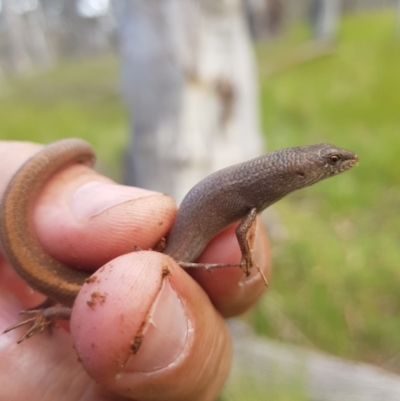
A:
(247, 263)
(41, 319)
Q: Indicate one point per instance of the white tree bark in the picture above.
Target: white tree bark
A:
(36, 39)
(189, 79)
(324, 18)
(398, 18)
(18, 54)
(28, 47)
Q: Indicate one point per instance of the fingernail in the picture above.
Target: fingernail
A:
(96, 197)
(164, 336)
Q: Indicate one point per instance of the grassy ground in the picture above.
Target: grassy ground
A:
(76, 99)
(337, 275)
(336, 280)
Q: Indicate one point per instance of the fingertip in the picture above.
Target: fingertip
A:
(85, 220)
(143, 328)
(230, 291)
(111, 309)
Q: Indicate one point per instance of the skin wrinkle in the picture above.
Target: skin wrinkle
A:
(127, 201)
(138, 216)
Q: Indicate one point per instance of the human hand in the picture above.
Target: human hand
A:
(85, 220)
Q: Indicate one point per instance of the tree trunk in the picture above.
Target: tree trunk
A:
(189, 79)
(324, 18)
(37, 42)
(18, 55)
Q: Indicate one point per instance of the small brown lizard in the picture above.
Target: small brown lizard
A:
(236, 193)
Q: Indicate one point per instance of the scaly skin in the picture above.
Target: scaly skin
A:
(230, 194)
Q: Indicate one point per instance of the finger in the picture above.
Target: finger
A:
(85, 219)
(144, 329)
(229, 289)
(62, 345)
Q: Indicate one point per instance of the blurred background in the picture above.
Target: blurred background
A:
(201, 84)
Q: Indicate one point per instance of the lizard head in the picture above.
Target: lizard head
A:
(290, 169)
(333, 160)
(324, 160)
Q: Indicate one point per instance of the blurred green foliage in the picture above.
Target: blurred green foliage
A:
(336, 276)
(77, 99)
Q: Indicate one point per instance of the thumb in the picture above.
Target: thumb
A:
(145, 329)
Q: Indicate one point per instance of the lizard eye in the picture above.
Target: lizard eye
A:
(334, 158)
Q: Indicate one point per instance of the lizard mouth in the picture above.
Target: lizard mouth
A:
(348, 164)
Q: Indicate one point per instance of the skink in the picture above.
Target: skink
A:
(236, 193)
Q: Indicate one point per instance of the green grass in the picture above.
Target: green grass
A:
(336, 277)
(77, 99)
(337, 274)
